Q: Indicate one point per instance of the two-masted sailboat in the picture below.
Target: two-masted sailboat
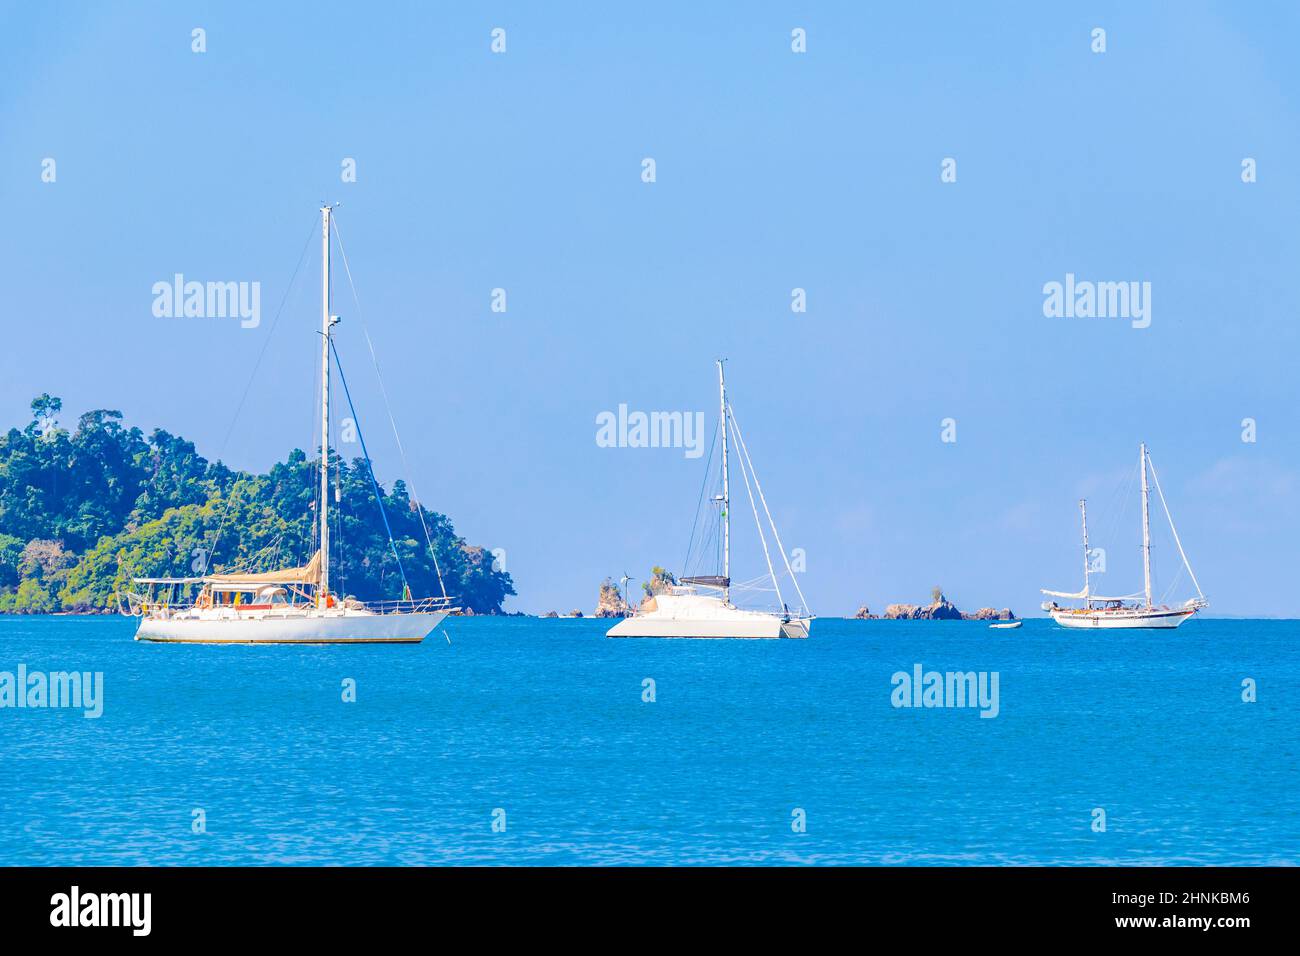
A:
(291, 605)
(701, 605)
(1125, 612)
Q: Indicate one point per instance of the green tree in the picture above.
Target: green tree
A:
(33, 597)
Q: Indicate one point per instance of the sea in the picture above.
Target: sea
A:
(527, 741)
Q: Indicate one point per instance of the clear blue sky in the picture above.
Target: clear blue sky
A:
(775, 171)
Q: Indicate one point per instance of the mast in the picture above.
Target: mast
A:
(1087, 589)
(322, 590)
(726, 494)
(1146, 527)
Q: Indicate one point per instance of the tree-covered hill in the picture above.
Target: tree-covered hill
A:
(84, 511)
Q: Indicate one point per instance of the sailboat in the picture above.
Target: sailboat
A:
(701, 605)
(290, 605)
(1125, 612)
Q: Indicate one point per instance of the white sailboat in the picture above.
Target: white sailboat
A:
(1099, 611)
(292, 605)
(701, 606)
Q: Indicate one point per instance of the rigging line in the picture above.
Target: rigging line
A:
(337, 513)
(740, 440)
(313, 468)
(243, 398)
(1117, 513)
(700, 564)
(757, 521)
(379, 496)
(699, 504)
(1164, 597)
(401, 451)
(1187, 564)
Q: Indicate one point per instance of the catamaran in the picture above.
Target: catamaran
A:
(1125, 612)
(289, 605)
(701, 605)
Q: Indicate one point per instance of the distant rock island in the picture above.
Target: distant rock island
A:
(939, 609)
(611, 603)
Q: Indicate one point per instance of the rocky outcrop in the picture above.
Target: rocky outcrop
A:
(610, 603)
(575, 613)
(864, 614)
(990, 614)
(942, 610)
(551, 614)
(660, 581)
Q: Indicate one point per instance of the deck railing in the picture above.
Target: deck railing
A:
(421, 606)
(136, 605)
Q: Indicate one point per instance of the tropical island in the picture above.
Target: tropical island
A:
(84, 511)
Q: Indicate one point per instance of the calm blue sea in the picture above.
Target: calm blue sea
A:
(544, 720)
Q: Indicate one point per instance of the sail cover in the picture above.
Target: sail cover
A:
(1073, 596)
(709, 580)
(307, 574)
(1084, 595)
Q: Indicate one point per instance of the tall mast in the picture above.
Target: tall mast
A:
(1087, 590)
(1146, 528)
(322, 589)
(726, 493)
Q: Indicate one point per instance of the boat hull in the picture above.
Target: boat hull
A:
(651, 626)
(340, 629)
(1123, 620)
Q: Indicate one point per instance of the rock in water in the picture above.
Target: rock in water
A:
(990, 614)
(943, 610)
(901, 612)
(610, 603)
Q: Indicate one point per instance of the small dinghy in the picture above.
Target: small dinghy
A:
(1006, 625)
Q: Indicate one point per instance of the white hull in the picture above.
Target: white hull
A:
(338, 628)
(775, 628)
(703, 616)
(1129, 618)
